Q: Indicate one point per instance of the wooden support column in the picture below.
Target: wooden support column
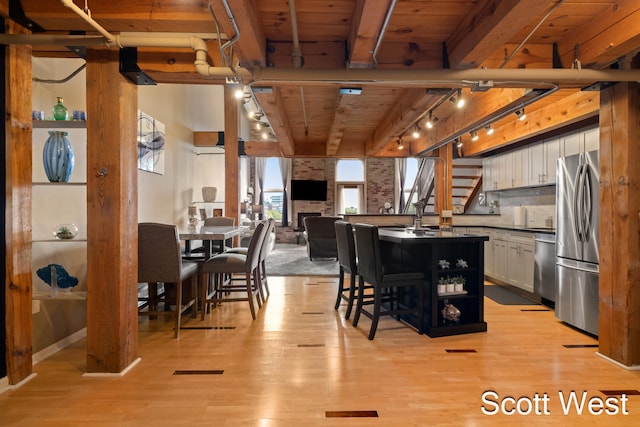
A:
(18, 152)
(619, 319)
(443, 177)
(112, 215)
(231, 164)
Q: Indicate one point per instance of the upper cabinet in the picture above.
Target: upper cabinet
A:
(535, 165)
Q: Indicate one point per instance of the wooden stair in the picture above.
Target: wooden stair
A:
(467, 182)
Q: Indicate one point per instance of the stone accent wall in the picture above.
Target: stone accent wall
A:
(380, 176)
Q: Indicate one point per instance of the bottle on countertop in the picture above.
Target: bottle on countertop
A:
(60, 112)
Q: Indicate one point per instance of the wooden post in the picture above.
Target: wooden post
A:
(231, 163)
(619, 323)
(443, 178)
(112, 215)
(18, 152)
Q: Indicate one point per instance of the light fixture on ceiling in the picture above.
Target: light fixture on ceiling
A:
(521, 114)
(457, 99)
(400, 144)
(239, 93)
(474, 135)
(431, 120)
(489, 129)
(416, 132)
(265, 135)
(458, 142)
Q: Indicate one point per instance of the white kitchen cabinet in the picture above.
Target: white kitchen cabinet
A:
(520, 168)
(500, 255)
(581, 142)
(505, 171)
(489, 174)
(521, 260)
(488, 249)
(542, 162)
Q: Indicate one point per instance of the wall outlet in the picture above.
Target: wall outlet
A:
(35, 307)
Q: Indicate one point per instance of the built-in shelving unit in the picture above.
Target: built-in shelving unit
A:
(59, 203)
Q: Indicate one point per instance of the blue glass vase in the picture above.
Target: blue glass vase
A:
(58, 157)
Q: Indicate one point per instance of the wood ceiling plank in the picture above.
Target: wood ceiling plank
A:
(366, 27)
(490, 25)
(315, 54)
(563, 111)
(262, 149)
(605, 38)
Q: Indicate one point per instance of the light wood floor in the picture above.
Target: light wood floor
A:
(301, 359)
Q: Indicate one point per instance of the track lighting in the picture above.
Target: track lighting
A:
(400, 144)
(458, 142)
(521, 114)
(474, 135)
(416, 132)
(457, 99)
(239, 93)
(431, 120)
(489, 129)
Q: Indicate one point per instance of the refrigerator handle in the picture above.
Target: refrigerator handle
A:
(576, 204)
(587, 204)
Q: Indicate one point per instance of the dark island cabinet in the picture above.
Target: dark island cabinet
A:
(453, 264)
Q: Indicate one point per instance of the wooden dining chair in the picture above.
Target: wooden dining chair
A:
(348, 263)
(385, 283)
(225, 268)
(160, 261)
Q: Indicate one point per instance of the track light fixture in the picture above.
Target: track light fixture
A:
(489, 129)
(457, 99)
(521, 114)
(431, 120)
(458, 142)
(416, 132)
(474, 135)
(400, 144)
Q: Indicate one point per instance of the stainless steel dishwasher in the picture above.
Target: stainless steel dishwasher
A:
(544, 278)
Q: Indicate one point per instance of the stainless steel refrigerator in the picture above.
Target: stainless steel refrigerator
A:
(577, 255)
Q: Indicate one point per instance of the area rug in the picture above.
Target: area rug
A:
(503, 296)
(292, 260)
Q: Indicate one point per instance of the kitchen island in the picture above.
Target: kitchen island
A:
(443, 256)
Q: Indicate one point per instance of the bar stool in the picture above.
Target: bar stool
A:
(385, 284)
(348, 263)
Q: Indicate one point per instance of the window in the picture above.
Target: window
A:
(350, 191)
(412, 173)
(273, 191)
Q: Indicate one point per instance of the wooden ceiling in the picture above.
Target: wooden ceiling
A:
(388, 42)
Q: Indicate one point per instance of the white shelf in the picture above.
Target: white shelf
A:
(61, 296)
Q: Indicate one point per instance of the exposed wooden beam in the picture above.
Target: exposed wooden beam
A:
(606, 38)
(252, 43)
(488, 27)
(341, 115)
(410, 105)
(368, 19)
(568, 109)
(272, 107)
(262, 149)
(478, 106)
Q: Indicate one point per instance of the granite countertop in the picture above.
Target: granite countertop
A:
(517, 228)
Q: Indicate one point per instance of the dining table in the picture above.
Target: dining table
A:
(208, 234)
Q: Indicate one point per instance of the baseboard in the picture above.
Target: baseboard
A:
(112, 374)
(5, 386)
(618, 364)
(57, 346)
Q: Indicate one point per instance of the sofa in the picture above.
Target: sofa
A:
(320, 234)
